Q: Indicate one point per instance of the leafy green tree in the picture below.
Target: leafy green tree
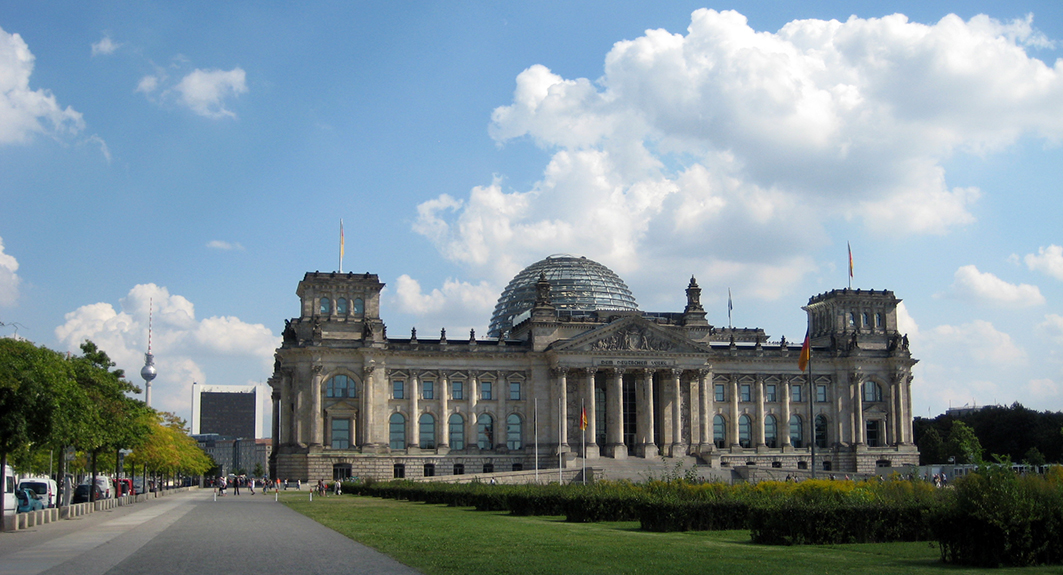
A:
(963, 444)
(1034, 457)
(29, 378)
(931, 447)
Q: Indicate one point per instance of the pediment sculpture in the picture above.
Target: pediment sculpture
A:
(633, 338)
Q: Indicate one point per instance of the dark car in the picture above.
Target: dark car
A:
(28, 500)
(81, 493)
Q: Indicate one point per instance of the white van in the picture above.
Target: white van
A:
(44, 487)
(10, 503)
(104, 483)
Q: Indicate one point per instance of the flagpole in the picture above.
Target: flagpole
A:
(341, 245)
(536, 440)
(730, 306)
(560, 474)
(583, 436)
(848, 245)
(811, 415)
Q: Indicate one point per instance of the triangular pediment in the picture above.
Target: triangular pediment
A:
(632, 334)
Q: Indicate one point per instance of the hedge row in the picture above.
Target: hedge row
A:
(800, 523)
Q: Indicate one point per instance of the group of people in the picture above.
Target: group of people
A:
(223, 484)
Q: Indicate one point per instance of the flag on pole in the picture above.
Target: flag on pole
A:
(850, 259)
(341, 244)
(583, 419)
(730, 307)
(806, 354)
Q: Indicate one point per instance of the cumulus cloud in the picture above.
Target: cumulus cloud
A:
(987, 288)
(1052, 327)
(105, 46)
(448, 307)
(977, 342)
(1047, 260)
(206, 92)
(186, 349)
(23, 111)
(726, 146)
(9, 280)
(148, 84)
(224, 245)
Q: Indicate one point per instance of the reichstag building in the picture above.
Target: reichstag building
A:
(568, 345)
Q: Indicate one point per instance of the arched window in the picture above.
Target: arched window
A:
(326, 306)
(797, 436)
(457, 431)
(397, 425)
(341, 386)
(719, 431)
(485, 432)
(745, 428)
(359, 307)
(771, 431)
(878, 320)
(821, 431)
(341, 306)
(513, 432)
(872, 391)
(428, 431)
(867, 320)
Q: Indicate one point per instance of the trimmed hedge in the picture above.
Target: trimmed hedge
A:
(824, 523)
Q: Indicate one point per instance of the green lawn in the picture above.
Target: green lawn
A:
(442, 540)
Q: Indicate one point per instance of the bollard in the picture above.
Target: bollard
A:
(276, 496)
(215, 496)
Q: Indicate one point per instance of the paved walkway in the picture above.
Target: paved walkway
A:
(191, 533)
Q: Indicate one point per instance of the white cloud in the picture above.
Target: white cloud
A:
(186, 348)
(1044, 389)
(205, 92)
(224, 245)
(1052, 327)
(105, 46)
(977, 342)
(725, 144)
(23, 110)
(96, 140)
(448, 307)
(970, 284)
(1047, 260)
(148, 84)
(906, 323)
(9, 280)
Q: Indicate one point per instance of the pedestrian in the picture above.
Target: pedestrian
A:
(236, 486)
(339, 489)
(251, 485)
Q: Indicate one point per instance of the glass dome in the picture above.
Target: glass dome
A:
(576, 284)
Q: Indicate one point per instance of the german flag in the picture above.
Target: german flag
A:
(806, 354)
(583, 418)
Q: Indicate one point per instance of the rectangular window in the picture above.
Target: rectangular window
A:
(428, 390)
(399, 471)
(397, 389)
(795, 393)
(341, 433)
(514, 390)
(485, 390)
(746, 396)
(459, 469)
(769, 393)
(721, 395)
(821, 393)
(457, 390)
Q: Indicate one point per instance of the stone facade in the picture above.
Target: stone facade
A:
(349, 400)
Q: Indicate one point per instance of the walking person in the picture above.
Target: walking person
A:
(251, 485)
(236, 486)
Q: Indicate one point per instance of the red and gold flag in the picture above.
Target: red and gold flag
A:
(806, 354)
(583, 418)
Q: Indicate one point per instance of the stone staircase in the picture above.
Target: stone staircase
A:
(638, 470)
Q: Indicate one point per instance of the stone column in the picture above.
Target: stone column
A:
(592, 414)
(415, 426)
(735, 414)
(649, 444)
(891, 415)
(758, 428)
(858, 408)
(315, 406)
(562, 410)
(365, 407)
(785, 439)
(706, 402)
(614, 415)
(502, 382)
(444, 410)
(276, 397)
(677, 414)
(471, 440)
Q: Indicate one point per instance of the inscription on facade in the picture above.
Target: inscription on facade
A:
(634, 362)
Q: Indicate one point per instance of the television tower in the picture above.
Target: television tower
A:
(148, 371)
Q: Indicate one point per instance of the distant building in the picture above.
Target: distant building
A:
(966, 410)
(235, 456)
(230, 411)
(569, 353)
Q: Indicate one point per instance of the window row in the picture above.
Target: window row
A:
(771, 431)
(872, 392)
(457, 389)
(863, 320)
(357, 307)
(485, 431)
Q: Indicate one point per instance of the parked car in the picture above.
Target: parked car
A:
(81, 493)
(124, 487)
(104, 483)
(10, 501)
(28, 500)
(45, 489)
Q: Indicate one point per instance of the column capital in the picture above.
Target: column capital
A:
(559, 371)
(590, 371)
(676, 372)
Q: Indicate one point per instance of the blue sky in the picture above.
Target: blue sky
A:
(200, 157)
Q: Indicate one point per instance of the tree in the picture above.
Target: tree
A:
(931, 448)
(963, 444)
(1034, 457)
(29, 379)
